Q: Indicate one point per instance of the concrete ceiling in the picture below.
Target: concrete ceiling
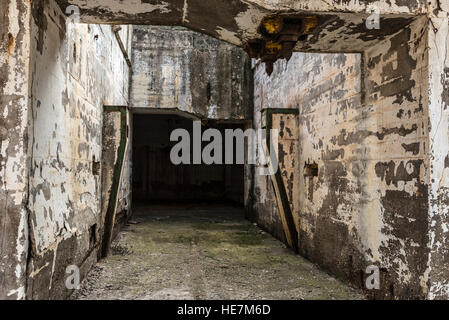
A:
(341, 24)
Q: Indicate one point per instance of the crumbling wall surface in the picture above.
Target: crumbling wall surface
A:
(75, 70)
(341, 24)
(393, 228)
(394, 6)
(438, 260)
(14, 133)
(368, 203)
(178, 69)
(325, 88)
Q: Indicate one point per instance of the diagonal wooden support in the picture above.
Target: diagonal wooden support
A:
(113, 197)
(283, 202)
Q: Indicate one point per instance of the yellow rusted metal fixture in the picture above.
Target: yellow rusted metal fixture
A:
(311, 170)
(280, 33)
(272, 24)
(272, 48)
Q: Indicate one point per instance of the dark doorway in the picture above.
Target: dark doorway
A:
(156, 180)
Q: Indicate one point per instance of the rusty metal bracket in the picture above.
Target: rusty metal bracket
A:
(279, 37)
(116, 29)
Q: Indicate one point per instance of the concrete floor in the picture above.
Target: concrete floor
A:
(204, 253)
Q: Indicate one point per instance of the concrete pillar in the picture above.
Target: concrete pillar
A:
(14, 137)
(438, 72)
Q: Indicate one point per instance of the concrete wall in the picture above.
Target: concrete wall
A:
(75, 70)
(178, 69)
(341, 26)
(369, 202)
(438, 219)
(395, 224)
(14, 145)
(376, 124)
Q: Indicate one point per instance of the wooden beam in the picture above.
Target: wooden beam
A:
(113, 197)
(283, 202)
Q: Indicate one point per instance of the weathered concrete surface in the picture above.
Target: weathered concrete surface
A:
(369, 203)
(381, 144)
(14, 145)
(204, 253)
(438, 219)
(396, 210)
(75, 70)
(178, 69)
(341, 24)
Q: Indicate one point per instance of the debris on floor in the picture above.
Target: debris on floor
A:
(205, 254)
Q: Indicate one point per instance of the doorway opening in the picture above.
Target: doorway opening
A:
(158, 181)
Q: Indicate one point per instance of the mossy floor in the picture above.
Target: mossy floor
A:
(200, 253)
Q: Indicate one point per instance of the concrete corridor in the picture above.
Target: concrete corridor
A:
(204, 253)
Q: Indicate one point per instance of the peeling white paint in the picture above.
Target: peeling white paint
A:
(228, 36)
(118, 6)
(414, 6)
